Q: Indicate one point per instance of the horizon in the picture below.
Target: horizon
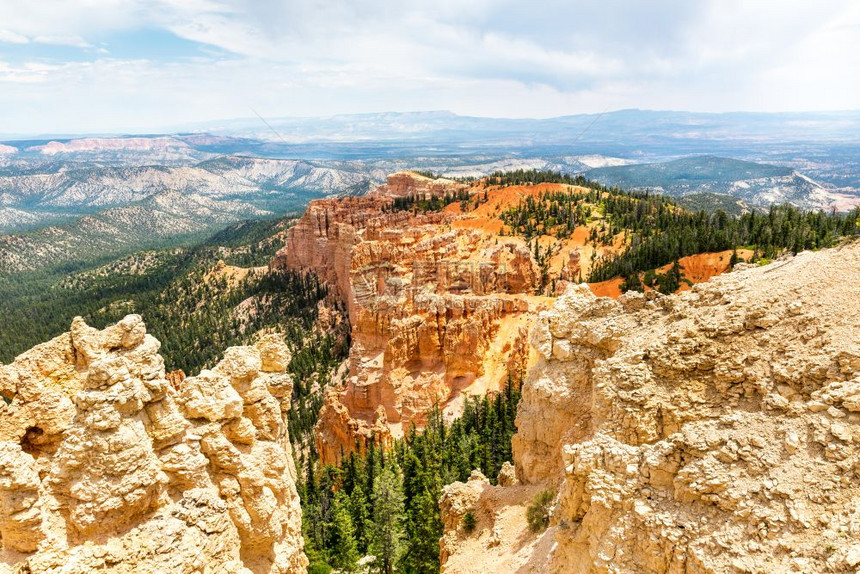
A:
(211, 127)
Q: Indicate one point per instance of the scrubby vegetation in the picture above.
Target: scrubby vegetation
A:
(469, 522)
(538, 512)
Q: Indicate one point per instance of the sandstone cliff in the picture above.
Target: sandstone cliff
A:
(438, 309)
(106, 465)
(713, 431)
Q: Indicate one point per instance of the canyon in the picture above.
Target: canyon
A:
(711, 430)
(438, 308)
(440, 301)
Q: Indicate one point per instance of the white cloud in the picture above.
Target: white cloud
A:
(9, 37)
(28, 73)
(486, 57)
(73, 41)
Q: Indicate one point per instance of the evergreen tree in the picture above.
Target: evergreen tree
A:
(340, 544)
(425, 530)
(387, 530)
(671, 280)
(360, 517)
(734, 259)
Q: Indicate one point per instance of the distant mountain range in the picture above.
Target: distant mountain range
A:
(62, 198)
(822, 145)
(32, 192)
(624, 133)
(162, 218)
(751, 184)
(58, 213)
(629, 127)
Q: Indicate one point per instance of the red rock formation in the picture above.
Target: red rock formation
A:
(407, 183)
(427, 302)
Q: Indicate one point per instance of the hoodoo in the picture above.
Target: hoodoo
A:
(438, 309)
(441, 293)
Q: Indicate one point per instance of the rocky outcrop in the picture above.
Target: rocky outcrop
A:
(713, 431)
(106, 465)
(459, 499)
(410, 183)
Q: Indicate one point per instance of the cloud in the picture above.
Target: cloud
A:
(29, 73)
(9, 37)
(73, 41)
(499, 57)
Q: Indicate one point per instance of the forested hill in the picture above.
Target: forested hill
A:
(193, 304)
(656, 231)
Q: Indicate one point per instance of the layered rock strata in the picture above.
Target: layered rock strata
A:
(106, 465)
(713, 431)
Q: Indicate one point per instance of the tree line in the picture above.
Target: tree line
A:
(657, 231)
(424, 203)
(676, 233)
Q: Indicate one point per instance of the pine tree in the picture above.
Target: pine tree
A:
(387, 531)
(340, 544)
(360, 517)
(422, 553)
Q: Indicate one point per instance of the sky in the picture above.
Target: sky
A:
(99, 66)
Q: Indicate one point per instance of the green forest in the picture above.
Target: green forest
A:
(166, 287)
(385, 504)
(429, 203)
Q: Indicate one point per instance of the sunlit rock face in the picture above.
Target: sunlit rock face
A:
(713, 431)
(108, 466)
(439, 309)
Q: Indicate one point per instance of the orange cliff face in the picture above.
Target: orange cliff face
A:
(440, 303)
(438, 310)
